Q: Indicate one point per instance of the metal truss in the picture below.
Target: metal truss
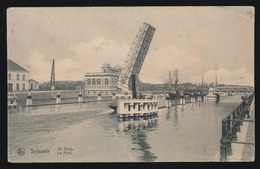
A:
(136, 56)
(234, 89)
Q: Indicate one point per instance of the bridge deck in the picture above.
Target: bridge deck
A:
(234, 89)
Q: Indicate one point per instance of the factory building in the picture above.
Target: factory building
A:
(104, 82)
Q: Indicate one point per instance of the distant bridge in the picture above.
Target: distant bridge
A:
(234, 89)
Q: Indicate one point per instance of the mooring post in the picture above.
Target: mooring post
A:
(58, 98)
(228, 123)
(29, 99)
(113, 96)
(241, 116)
(223, 142)
(229, 136)
(234, 128)
(182, 100)
(243, 113)
(229, 148)
(237, 122)
(99, 97)
(168, 102)
(80, 97)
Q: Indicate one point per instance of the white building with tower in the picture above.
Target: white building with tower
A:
(104, 82)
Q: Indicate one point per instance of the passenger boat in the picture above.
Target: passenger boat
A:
(137, 107)
(129, 107)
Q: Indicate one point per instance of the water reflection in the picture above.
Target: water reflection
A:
(137, 130)
(168, 116)
(177, 134)
(175, 121)
(192, 107)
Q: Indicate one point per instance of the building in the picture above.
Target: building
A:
(104, 82)
(33, 85)
(17, 77)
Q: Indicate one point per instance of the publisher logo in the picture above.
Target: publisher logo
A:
(20, 151)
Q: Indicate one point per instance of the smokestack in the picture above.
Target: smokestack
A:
(170, 80)
(176, 73)
(176, 82)
(134, 87)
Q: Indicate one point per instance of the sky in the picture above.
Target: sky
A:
(192, 40)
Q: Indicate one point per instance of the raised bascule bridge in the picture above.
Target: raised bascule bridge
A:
(127, 78)
(135, 57)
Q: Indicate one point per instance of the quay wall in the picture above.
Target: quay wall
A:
(161, 101)
(47, 95)
(73, 94)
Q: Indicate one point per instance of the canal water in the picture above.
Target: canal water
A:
(90, 132)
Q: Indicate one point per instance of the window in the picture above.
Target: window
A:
(93, 81)
(17, 77)
(94, 92)
(105, 70)
(17, 87)
(23, 76)
(10, 76)
(106, 92)
(23, 86)
(89, 82)
(98, 81)
(106, 81)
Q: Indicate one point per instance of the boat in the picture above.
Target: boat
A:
(137, 107)
(12, 104)
(211, 95)
(129, 107)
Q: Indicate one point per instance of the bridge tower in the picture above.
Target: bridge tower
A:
(135, 57)
(52, 83)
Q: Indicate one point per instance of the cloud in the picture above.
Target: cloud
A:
(98, 51)
(38, 67)
(89, 57)
(239, 76)
(159, 62)
(65, 69)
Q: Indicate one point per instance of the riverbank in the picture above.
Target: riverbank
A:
(244, 152)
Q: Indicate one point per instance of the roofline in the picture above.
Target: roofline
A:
(23, 69)
(33, 80)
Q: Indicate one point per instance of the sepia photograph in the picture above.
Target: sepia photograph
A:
(130, 84)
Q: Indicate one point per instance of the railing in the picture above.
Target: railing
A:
(231, 125)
